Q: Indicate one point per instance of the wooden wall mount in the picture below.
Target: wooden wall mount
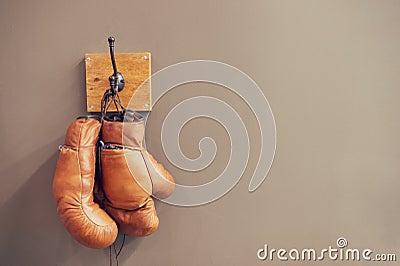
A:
(136, 68)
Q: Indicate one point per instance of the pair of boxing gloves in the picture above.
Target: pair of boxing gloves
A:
(129, 176)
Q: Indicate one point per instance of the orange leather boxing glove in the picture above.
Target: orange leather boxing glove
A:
(73, 186)
(130, 175)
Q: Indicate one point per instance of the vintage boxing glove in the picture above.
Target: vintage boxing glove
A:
(130, 175)
(73, 186)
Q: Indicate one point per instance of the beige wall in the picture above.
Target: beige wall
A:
(331, 73)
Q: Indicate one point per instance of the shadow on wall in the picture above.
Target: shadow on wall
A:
(31, 232)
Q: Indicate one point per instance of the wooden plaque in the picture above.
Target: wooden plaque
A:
(136, 68)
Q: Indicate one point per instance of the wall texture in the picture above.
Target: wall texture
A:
(331, 73)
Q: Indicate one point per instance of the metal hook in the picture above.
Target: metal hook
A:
(117, 80)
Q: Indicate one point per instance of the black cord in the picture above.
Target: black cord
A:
(122, 245)
(116, 254)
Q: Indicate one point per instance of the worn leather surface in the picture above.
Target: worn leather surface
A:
(140, 222)
(130, 176)
(73, 187)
